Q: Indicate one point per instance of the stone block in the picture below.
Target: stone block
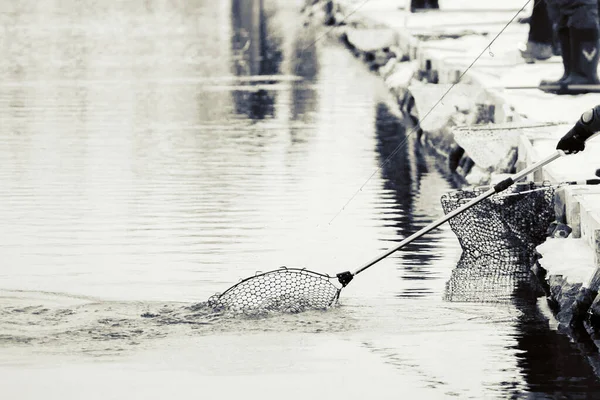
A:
(588, 213)
(527, 155)
(560, 205)
(452, 75)
(413, 50)
(504, 113)
(572, 213)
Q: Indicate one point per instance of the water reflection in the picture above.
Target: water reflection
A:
(256, 44)
(256, 47)
(413, 187)
(491, 277)
(553, 365)
(305, 64)
(396, 167)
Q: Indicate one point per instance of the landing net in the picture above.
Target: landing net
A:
(498, 237)
(287, 290)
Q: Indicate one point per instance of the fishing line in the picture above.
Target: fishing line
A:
(418, 125)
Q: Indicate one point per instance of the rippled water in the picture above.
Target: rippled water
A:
(155, 152)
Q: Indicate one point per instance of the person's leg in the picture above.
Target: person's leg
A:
(584, 33)
(417, 5)
(539, 40)
(540, 26)
(564, 41)
(434, 4)
(560, 26)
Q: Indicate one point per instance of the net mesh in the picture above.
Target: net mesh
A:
(517, 218)
(490, 278)
(487, 145)
(493, 147)
(498, 237)
(288, 290)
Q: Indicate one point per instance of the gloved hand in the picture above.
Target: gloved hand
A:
(571, 143)
(586, 126)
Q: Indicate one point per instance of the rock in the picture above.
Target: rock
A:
(594, 312)
(399, 77)
(372, 39)
(388, 67)
(477, 176)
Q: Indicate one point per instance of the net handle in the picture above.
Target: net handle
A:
(345, 277)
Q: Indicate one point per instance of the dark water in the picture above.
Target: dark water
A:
(155, 152)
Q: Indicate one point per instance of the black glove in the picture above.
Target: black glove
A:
(586, 126)
(572, 142)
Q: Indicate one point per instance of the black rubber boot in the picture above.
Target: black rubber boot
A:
(585, 55)
(564, 40)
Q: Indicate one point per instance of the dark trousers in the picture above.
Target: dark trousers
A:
(540, 25)
(576, 14)
(423, 4)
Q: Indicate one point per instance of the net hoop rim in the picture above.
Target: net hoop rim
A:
(537, 186)
(283, 269)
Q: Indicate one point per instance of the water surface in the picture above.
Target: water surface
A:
(155, 152)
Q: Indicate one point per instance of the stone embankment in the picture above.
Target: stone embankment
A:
(458, 74)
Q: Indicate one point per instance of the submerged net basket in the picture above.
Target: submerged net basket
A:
(517, 218)
(288, 290)
(498, 237)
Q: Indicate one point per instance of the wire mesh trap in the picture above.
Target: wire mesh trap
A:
(498, 237)
(288, 290)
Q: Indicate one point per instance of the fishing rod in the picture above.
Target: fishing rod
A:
(592, 88)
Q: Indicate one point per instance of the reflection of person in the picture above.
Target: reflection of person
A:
(578, 33)
(586, 127)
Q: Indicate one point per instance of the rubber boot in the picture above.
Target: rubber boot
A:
(584, 59)
(564, 41)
